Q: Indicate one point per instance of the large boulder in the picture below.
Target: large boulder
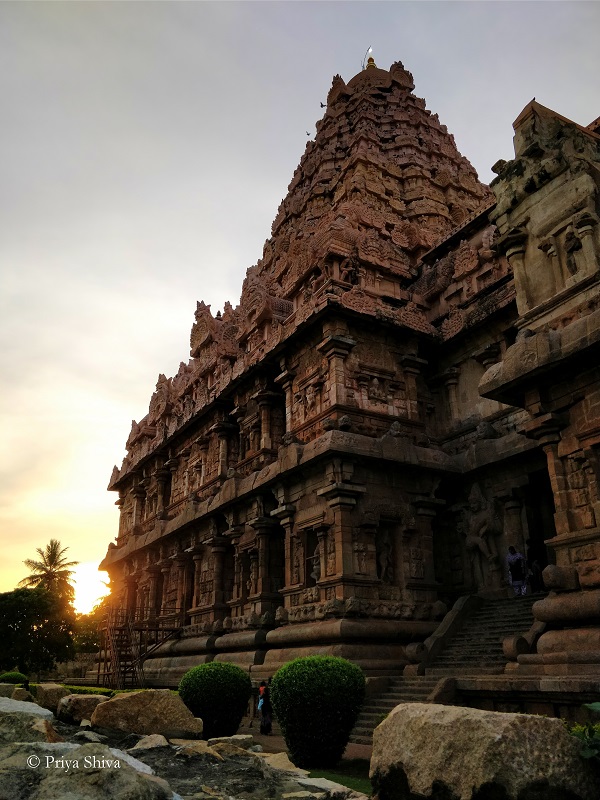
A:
(422, 750)
(149, 711)
(48, 695)
(75, 707)
(87, 772)
(12, 706)
(6, 689)
(22, 721)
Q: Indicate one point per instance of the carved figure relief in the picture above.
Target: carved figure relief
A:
(330, 568)
(481, 526)
(316, 561)
(297, 559)
(385, 556)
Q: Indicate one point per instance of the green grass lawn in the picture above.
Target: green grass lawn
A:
(353, 773)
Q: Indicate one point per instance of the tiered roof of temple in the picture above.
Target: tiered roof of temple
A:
(381, 184)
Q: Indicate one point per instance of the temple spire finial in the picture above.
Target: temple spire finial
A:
(368, 60)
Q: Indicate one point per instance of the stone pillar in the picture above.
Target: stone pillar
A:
(422, 567)
(264, 527)
(218, 549)
(223, 431)
(545, 428)
(285, 514)
(166, 576)
(197, 558)
(265, 402)
(180, 563)
(585, 228)
(451, 383)
(285, 379)
(336, 348)
(153, 599)
(203, 444)
(412, 367)
(223, 452)
(139, 495)
(162, 477)
(342, 499)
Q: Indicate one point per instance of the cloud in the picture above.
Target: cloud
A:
(144, 150)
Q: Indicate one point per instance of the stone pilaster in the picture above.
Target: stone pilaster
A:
(286, 379)
(337, 561)
(422, 569)
(412, 367)
(450, 378)
(336, 348)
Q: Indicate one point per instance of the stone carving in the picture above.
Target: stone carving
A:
(330, 562)
(385, 557)
(481, 527)
(316, 560)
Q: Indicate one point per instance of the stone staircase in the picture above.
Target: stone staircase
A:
(475, 650)
(415, 689)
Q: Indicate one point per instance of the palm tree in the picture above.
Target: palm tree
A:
(52, 572)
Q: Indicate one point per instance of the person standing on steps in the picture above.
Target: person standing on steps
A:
(516, 568)
(266, 712)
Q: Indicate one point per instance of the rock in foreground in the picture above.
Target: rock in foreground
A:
(453, 753)
(48, 695)
(75, 707)
(150, 711)
(90, 772)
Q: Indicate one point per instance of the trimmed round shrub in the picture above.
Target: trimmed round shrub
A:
(316, 701)
(13, 677)
(218, 693)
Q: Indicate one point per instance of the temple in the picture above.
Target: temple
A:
(408, 386)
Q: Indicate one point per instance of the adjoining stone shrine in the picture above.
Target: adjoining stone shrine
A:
(409, 385)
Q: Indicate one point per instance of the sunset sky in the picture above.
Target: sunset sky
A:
(145, 148)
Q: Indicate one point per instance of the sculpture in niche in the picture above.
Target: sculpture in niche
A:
(330, 569)
(572, 245)
(316, 559)
(252, 584)
(385, 565)
(297, 559)
(360, 555)
(481, 526)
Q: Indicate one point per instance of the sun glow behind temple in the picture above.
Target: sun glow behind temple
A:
(90, 586)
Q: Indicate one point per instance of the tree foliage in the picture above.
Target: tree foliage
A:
(53, 572)
(316, 701)
(87, 627)
(36, 629)
(218, 693)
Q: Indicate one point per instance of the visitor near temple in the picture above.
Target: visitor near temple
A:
(516, 568)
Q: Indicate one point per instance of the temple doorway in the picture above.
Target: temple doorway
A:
(539, 507)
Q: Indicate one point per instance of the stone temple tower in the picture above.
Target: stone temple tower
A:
(323, 474)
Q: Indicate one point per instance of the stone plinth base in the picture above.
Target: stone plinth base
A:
(377, 646)
(555, 696)
(557, 663)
